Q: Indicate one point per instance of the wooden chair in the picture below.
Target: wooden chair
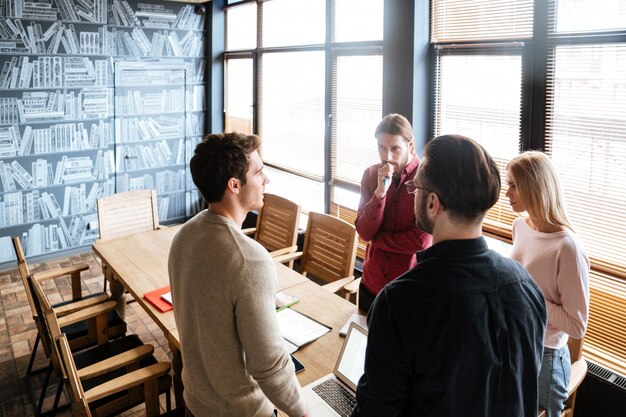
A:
(329, 251)
(277, 225)
(579, 371)
(127, 213)
(81, 334)
(106, 379)
(145, 380)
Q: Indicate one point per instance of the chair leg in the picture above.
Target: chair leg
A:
(44, 388)
(31, 362)
(57, 397)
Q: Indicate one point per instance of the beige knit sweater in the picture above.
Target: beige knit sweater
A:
(223, 290)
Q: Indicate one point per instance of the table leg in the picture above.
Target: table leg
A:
(117, 293)
(177, 366)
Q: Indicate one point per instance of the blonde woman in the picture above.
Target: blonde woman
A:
(545, 244)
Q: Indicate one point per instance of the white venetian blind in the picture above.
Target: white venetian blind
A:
(478, 81)
(292, 122)
(238, 100)
(358, 82)
(586, 139)
(479, 96)
(463, 20)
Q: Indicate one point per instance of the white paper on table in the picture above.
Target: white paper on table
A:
(298, 328)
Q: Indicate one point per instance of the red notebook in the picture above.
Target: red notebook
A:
(155, 298)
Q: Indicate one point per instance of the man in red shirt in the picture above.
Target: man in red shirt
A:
(385, 217)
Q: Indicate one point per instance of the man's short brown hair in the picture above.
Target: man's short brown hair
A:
(463, 174)
(218, 158)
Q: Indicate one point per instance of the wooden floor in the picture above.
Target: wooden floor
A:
(17, 334)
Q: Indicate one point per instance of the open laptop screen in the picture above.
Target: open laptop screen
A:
(351, 361)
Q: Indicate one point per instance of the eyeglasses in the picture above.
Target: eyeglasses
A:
(412, 189)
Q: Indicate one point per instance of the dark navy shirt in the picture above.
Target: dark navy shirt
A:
(461, 334)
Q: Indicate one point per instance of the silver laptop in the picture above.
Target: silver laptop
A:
(335, 394)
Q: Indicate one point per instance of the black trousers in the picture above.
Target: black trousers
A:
(366, 298)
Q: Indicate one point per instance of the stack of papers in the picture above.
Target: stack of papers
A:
(299, 329)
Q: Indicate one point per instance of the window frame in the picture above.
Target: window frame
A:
(607, 287)
(332, 50)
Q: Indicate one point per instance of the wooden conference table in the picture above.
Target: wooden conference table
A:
(138, 263)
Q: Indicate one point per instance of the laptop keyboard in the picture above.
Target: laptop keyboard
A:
(338, 397)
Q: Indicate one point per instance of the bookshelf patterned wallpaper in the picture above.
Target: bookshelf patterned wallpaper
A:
(96, 97)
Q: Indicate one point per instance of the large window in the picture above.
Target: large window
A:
(585, 135)
(519, 75)
(479, 48)
(292, 111)
(312, 79)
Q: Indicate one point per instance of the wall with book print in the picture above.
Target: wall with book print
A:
(96, 97)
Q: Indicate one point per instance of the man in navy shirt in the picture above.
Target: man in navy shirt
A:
(460, 334)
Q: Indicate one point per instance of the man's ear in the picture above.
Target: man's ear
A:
(433, 204)
(233, 185)
(411, 145)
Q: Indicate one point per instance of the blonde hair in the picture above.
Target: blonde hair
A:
(538, 186)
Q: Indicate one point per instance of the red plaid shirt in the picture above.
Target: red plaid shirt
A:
(389, 226)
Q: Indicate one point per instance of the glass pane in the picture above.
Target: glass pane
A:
(294, 22)
(462, 20)
(241, 27)
(238, 100)
(586, 127)
(308, 193)
(346, 198)
(358, 20)
(479, 97)
(358, 111)
(293, 122)
(590, 15)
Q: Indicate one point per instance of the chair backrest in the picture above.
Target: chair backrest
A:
(24, 271)
(575, 347)
(127, 213)
(79, 404)
(277, 223)
(48, 325)
(329, 248)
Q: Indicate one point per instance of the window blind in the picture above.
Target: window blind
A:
(479, 96)
(344, 204)
(589, 15)
(358, 20)
(605, 340)
(238, 100)
(466, 21)
(357, 82)
(585, 131)
(293, 22)
(241, 27)
(292, 122)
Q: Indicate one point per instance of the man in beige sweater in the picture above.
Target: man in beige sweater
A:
(223, 288)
